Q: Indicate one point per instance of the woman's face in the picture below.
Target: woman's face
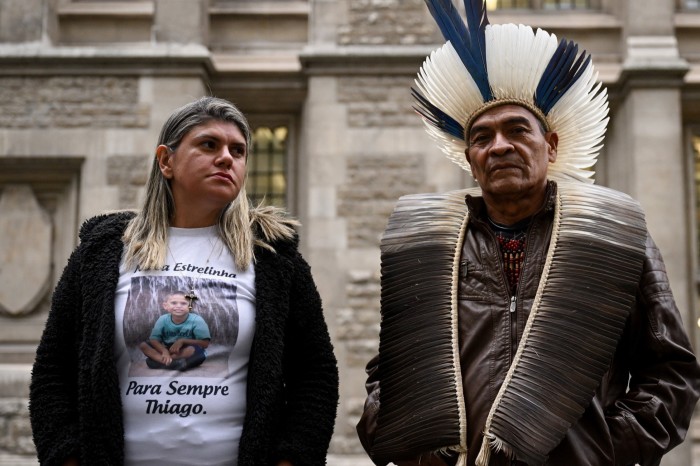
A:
(206, 170)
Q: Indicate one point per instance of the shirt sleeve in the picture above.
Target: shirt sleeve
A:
(201, 329)
(367, 426)
(157, 332)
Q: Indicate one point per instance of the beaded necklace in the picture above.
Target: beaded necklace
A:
(511, 242)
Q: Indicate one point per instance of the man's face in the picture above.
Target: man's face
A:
(509, 152)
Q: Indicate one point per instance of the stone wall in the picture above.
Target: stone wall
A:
(365, 201)
(358, 327)
(381, 165)
(20, 20)
(374, 183)
(378, 101)
(15, 431)
(129, 174)
(71, 102)
(387, 22)
(16, 445)
(358, 324)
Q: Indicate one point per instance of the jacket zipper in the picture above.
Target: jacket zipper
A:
(512, 301)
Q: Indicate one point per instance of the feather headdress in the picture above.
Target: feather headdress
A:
(484, 65)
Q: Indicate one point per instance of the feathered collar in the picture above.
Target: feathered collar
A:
(586, 290)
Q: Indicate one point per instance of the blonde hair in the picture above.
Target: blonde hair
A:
(146, 236)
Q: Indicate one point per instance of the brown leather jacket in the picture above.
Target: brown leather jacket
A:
(621, 426)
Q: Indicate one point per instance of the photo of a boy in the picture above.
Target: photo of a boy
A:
(178, 338)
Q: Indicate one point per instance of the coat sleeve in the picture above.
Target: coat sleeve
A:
(310, 373)
(367, 426)
(53, 389)
(653, 415)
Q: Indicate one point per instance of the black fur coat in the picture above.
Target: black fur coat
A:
(75, 403)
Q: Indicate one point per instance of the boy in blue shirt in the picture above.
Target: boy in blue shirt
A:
(178, 338)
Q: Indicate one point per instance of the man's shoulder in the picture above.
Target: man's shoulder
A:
(603, 195)
(416, 206)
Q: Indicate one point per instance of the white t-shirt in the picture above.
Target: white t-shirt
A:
(192, 416)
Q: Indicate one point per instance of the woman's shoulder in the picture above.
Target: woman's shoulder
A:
(104, 225)
(274, 227)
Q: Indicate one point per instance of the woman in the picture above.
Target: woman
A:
(268, 389)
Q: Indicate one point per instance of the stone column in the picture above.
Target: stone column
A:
(361, 147)
(646, 156)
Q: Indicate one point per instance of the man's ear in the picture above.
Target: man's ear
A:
(165, 156)
(552, 140)
(466, 155)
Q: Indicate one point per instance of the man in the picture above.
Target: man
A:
(536, 326)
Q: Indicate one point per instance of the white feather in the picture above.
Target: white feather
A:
(446, 83)
(451, 147)
(516, 58)
(580, 119)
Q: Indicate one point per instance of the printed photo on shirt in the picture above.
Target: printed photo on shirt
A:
(181, 324)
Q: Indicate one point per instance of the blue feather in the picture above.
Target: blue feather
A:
(576, 71)
(437, 117)
(452, 28)
(476, 9)
(562, 71)
(469, 42)
(555, 66)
